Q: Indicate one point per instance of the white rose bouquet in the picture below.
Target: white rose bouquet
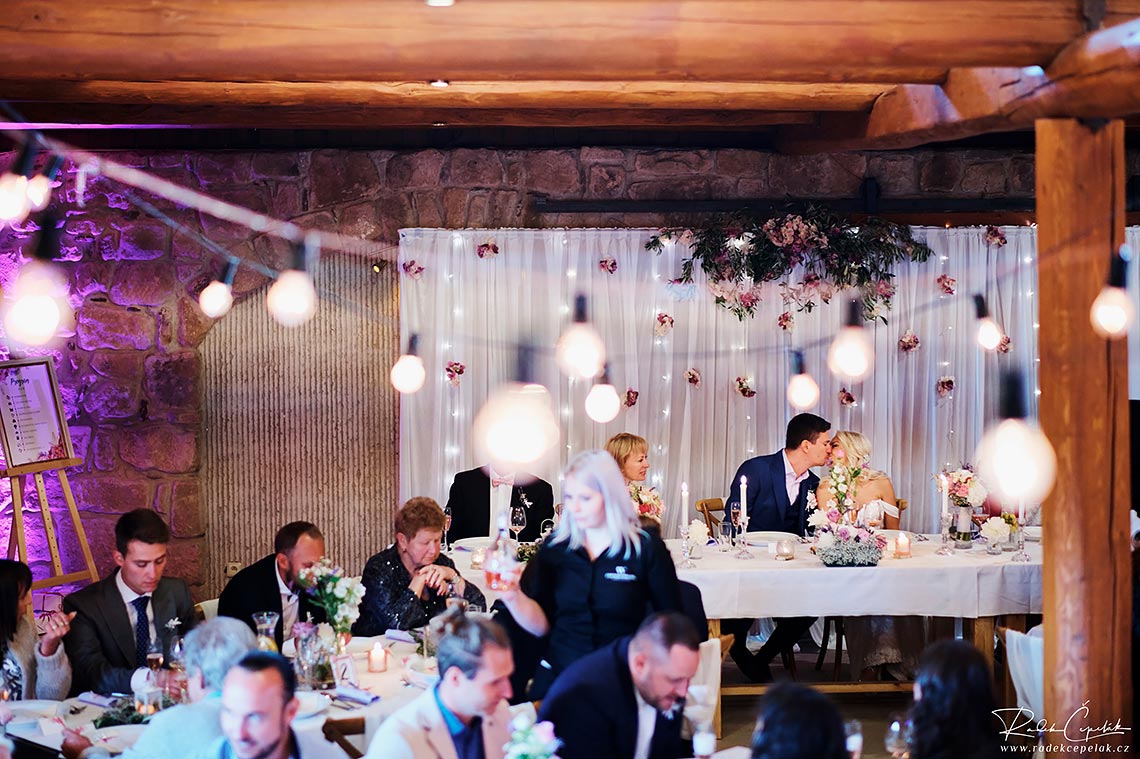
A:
(338, 595)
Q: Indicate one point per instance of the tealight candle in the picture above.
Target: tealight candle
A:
(785, 550)
(902, 546)
(478, 556)
(378, 658)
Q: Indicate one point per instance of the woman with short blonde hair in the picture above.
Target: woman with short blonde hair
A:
(631, 452)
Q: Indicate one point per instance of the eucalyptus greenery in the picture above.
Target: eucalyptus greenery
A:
(739, 252)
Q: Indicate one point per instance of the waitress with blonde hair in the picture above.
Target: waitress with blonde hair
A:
(599, 575)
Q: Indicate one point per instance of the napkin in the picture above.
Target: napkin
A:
(356, 695)
(89, 697)
(51, 726)
(401, 635)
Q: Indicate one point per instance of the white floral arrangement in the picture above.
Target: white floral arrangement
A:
(843, 545)
(698, 532)
(531, 740)
(964, 488)
(647, 501)
(338, 595)
(842, 481)
(995, 530)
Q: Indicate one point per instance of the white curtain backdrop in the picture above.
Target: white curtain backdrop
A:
(474, 310)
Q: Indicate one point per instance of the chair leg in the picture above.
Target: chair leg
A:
(838, 648)
(823, 644)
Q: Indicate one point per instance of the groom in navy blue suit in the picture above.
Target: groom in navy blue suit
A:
(778, 486)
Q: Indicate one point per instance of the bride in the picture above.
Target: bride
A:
(874, 643)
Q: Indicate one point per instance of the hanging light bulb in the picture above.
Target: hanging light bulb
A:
(851, 354)
(1112, 312)
(602, 402)
(581, 352)
(14, 206)
(989, 333)
(803, 392)
(292, 300)
(217, 297)
(408, 372)
(39, 303)
(1014, 457)
(39, 186)
(516, 427)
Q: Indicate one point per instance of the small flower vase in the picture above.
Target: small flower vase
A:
(993, 548)
(696, 550)
(963, 528)
(342, 641)
(1011, 544)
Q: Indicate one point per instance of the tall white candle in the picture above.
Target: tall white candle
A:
(684, 503)
(1020, 514)
(743, 495)
(945, 494)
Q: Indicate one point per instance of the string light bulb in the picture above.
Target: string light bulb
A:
(851, 355)
(1112, 312)
(217, 297)
(408, 373)
(292, 300)
(40, 186)
(580, 351)
(803, 392)
(39, 304)
(1014, 457)
(14, 205)
(989, 333)
(602, 402)
(516, 428)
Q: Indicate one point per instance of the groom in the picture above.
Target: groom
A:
(778, 487)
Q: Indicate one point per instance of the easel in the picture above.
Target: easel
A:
(17, 538)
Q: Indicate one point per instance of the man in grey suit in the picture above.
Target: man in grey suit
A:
(119, 619)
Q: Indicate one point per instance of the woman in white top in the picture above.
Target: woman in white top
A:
(29, 668)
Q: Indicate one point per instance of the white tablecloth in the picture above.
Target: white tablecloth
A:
(969, 584)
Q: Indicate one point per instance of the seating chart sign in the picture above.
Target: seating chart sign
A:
(33, 429)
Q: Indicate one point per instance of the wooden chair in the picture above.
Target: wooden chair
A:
(705, 508)
(828, 622)
(338, 730)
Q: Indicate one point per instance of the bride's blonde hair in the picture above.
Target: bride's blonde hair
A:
(858, 450)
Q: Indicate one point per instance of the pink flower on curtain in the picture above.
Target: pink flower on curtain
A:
(944, 386)
(664, 325)
(413, 269)
(946, 283)
(631, 398)
(607, 264)
(909, 342)
(693, 377)
(487, 249)
(454, 370)
(885, 288)
(1004, 346)
(994, 236)
(785, 321)
(846, 397)
(744, 388)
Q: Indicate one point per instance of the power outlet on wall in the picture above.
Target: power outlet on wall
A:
(232, 568)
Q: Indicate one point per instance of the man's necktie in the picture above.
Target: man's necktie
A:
(142, 630)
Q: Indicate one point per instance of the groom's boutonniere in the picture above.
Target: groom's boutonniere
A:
(525, 501)
(174, 624)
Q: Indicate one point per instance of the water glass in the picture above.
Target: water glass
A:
(725, 536)
(898, 737)
(853, 730)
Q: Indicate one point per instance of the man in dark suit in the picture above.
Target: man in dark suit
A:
(270, 584)
(119, 619)
(777, 491)
(624, 700)
(475, 491)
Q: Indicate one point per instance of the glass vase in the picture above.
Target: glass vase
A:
(1011, 544)
(963, 528)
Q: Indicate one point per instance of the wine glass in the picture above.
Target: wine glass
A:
(686, 549)
(735, 515)
(897, 741)
(446, 528)
(154, 656)
(177, 654)
(518, 521)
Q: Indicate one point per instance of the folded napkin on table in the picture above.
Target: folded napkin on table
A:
(90, 697)
(356, 695)
(401, 635)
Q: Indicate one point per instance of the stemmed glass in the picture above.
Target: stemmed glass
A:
(1021, 556)
(518, 521)
(446, 529)
(946, 549)
(898, 738)
(686, 549)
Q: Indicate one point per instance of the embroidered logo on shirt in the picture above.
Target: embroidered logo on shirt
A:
(620, 574)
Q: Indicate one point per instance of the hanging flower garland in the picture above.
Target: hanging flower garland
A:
(631, 397)
(663, 325)
(744, 388)
(454, 370)
(909, 342)
(946, 284)
(944, 386)
(693, 377)
(487, 249)
(741, 251)
(413, 269)
(995, 237)
(846, 397)
(607, 264)
(1005, 345)
(785, 321)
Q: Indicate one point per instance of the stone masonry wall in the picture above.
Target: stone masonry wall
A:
(131, 372)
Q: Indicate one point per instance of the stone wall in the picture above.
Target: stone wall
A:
(131, 372)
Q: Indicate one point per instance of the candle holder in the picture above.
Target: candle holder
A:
(1021, 557)
(946, 549)
(785, 550)
(378, 658)
(686, 549)
(478, 556)
(902, 546)
(744, 553)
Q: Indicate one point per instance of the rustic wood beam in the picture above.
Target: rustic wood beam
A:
(1096, 76)
(86, 116)
(658, 40)
(743, 96)
(1084, 411)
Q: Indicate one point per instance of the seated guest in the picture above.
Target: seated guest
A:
(258, 705)
(29, 669)
(796, 721)
(271, 583)
(476, 496)
(631, 453)
(595, 579)
(118, 619)
(466, 714)
(778, 486)
(625, 700)
(179, 732)
(953, 713)
(408, 583)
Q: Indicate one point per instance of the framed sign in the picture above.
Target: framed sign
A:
(344, 670)
(33, 428)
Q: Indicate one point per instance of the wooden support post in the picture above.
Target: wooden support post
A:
(1084, 412)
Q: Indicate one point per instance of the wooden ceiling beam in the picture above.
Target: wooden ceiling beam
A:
(87, 116)
(729, 96)
(891, 41)
(1097, 76)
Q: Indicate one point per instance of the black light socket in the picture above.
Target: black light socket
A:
(1118, 272)
(525, 366)
(414, 344)
(854, 313)
(981, 310)
(798, 366)
(25, 165)
(1012, 403)
(53, 166)
(579, 309)
(51, 230)
(604, 378)
(229, 273)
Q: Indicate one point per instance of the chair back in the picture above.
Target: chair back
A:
(338, 730)
(1026, 652)
(706, 507)
(902, 504)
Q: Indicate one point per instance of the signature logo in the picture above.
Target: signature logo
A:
(1023, 723)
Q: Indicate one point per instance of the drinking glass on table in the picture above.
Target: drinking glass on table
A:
(446, 528)
(518, 521)
(735, 515)
(725, 536)
(154, 656)
(853, 730)
(898, 737)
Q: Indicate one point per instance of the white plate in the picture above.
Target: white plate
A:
(1033, 532)
(119, 738)
(34, 709)
(765, 537)
(312, 704)
(421, 672)
(470, 544)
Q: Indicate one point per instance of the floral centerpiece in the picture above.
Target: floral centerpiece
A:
(995, 530)
(646, 500)
(338, 595)
(842, 482)
(531, 740)
(838, 544)
(964, 488)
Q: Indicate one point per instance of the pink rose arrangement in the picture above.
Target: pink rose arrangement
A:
(608, 264)
(944, 386)
(1004, 346)
(785, 321)
(947, 284)
(693, 377)
(454, 370)
(631, 398)
(846, 397)
(663, 325)
(646, 500)
(531, 740)
(413, 269)
(487, 249)
(793, 232)
(994, 236)
(909, 342)
(744, 388)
